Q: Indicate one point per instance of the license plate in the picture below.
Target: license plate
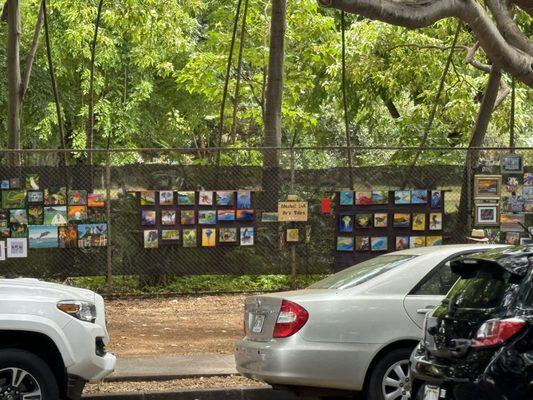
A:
(259, 321)
(431, 393)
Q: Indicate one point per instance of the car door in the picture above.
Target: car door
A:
(430, 292)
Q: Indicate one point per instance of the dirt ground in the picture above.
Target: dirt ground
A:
(182, 325)
(172, 385)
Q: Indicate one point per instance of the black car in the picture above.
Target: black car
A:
(478, 344)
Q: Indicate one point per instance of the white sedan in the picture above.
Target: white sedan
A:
(353, 331)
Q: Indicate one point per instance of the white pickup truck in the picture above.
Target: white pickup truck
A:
(52, 340)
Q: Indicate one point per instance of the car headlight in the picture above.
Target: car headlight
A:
(82, 310)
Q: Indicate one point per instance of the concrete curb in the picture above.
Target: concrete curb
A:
(258, 393)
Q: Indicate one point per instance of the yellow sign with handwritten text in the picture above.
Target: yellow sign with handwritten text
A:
(292, 211)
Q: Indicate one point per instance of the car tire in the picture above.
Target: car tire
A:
(386, 367)
(30, 373)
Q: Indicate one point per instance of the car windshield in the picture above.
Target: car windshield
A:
(362, 272)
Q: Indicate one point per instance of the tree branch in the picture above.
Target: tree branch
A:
(507, 27)
(393, 110)
(31, 54)
(524, 5)
(421, 13)
(3, 18)
(470, 59)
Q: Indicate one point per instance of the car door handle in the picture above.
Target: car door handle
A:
(426, 309)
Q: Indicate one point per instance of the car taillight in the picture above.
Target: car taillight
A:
(496, 332)
(292, 317)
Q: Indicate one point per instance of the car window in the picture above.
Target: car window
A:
(438, 282)
(362, 272)
(485, 289)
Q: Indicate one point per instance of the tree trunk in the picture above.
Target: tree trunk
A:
(13, 80)
(478, 137)
(274, 98)
(90, 118)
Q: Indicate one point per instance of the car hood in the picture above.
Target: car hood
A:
(24, 287)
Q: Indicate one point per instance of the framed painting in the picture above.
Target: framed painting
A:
(487, 187)
(487, 214)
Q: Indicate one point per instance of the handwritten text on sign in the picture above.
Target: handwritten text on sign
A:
(292, 211)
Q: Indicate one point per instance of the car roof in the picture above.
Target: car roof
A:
(513, 259)
(450, 248)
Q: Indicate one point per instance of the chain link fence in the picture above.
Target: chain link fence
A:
(312, 174)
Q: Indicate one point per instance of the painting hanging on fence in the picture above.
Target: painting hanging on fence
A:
(209, 237)
(435, 221)
(379, 243)
(380, 197)
(436, 199)
(77, 197)
(151, 239)
(96, 200)
(363, 220)
(35, 215)
(19, 231)
(247, 236)
(77, 213)
(346, 224)
(487, 186)
(148, 217)
(170, 235)
(401, 220)
(487, 214)
(419, 196)
(186, 198)
(13, 199)
(419, 222)
(35, 197)
(2, 251)
(166, 198)
(148, 198)
(363, 198)
(417, 241)
(18, 217)
(346, 198)
(402, 197)
(245, 215)
(168, 217)
(189, 238)
(188, 217)
(227, 235)
(225, 198)
(68, 236)
(511, 164)
(55, 196)
(14, 183)
(17, 248)
(345, 243)
(92, 235)
(292, 235)
(433, 241)
(43, 237)
(31, 182)
(244, 199)
(528, 179)
(402, 242)
(207, 217)
(381, 220)
(362, 243)
(56, 215)
(512, 222)
(225, 215)
(4, 185)
(205, 198)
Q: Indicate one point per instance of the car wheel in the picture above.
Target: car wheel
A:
(25, 376)
(390, 377)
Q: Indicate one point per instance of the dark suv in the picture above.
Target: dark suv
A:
(478, 344)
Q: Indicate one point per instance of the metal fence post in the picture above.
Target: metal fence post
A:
(469, 179)
(109, 275)
(294, 269)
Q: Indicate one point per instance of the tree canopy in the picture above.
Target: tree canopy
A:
(160, 69)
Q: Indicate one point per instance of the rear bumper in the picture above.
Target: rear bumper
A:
(295, 362)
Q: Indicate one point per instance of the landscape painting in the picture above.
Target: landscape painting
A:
(402, 197)
(169, 235)
(148, 198)
(18, 217)
(207, 217)
(56, 215)
(345, 243)
(43, 237)
(225, 198)
(419, 196)
(225, 215)
(380, 197)
(245, 215)
(186, 198)
(96, 200)
(434, 241)
(402, 220)
(379, 243)
(166, 198)
(77, 213)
